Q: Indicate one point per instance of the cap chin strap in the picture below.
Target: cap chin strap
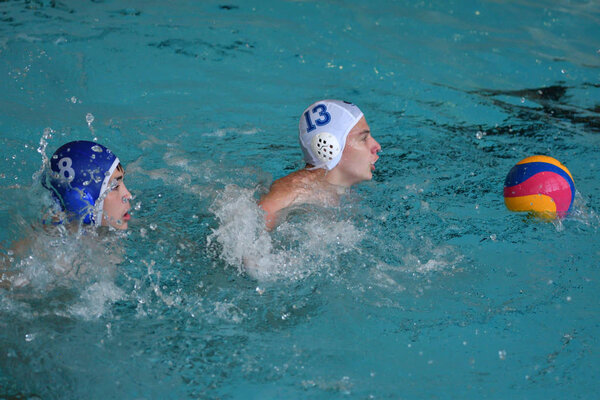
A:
(103, 192)
(318, 167)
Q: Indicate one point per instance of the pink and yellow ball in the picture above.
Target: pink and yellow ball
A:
(539, 184)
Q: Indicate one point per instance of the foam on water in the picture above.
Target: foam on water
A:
(96, 299)
(58, 262)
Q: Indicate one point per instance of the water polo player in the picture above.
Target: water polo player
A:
(339, 152)
(86, 179)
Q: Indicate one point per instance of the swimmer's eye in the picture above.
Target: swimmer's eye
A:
(116, 183)
(113, 185)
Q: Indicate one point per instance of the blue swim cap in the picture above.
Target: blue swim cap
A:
(79, 176)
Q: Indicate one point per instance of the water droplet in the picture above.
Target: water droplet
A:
(143, 232)
(96, 148)
(522, 99)
(153, 226)
(493, 236)
(502, 354)
(29, 337)
(73, 99)
(89, 118)
(138, 206)
(479, 135)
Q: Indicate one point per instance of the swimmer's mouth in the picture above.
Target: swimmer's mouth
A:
(126, 216)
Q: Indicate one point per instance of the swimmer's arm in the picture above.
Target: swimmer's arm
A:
(274, 201)
(17, 250)
(271, 207)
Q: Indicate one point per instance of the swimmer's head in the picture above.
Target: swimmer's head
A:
(82, 176)
(323, 129)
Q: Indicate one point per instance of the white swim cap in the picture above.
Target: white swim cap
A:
(323, 129)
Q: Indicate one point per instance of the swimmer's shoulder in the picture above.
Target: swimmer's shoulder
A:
(283, 193)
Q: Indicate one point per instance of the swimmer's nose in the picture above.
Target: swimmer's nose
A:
(127, 195)
(376, 147)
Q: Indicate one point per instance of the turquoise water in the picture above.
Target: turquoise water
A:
(420, 285)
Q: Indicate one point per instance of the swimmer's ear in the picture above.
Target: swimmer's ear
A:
(79, 202)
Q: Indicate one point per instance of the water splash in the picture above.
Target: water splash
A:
(89, 119)
(62, 263)
(95, 299)
(586, 216)
(306, 243)
(46, 136)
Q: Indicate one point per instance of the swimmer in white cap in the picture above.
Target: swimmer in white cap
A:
(339, 152)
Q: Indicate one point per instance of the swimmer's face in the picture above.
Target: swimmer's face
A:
(116, 208)
(360, 154)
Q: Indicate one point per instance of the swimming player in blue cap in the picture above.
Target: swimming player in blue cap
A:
(339, 152)
(86, 180)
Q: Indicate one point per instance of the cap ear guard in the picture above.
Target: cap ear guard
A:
(325, 147)
(79, 202)
(79, 175)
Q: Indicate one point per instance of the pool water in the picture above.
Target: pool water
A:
(420, 284)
